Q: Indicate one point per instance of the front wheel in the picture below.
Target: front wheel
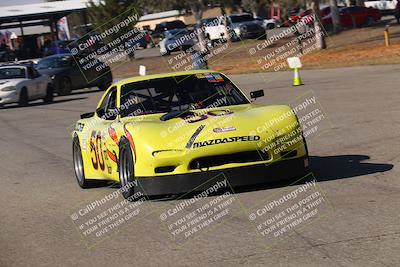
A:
(49, 94)
(64, 86)
(78, 163)
(23, 98)
(126, 169)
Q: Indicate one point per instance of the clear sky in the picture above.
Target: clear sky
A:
(18, 2)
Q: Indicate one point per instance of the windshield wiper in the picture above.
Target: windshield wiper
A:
(175, 114)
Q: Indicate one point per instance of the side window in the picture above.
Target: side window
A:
(108, 108)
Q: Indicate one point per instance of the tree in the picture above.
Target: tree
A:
(197, 8)
(103, 12)
(335, 16)
(319, 33)
(257, 7)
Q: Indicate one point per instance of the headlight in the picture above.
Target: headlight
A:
(237, 31)
(8, 88)
(53, 77)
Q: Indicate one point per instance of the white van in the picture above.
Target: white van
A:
(385, 6)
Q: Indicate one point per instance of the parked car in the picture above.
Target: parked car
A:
(386, 7)
(66, 75)
(268, 24)
(142, 39)
(243, 26)
(22, 83)
(354, 16)
(157, 34)
(175, 40)
(214, 29)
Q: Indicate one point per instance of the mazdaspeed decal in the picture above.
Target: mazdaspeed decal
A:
(227, 140)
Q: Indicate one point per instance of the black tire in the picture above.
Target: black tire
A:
(49, 94)
(64, 86)
(23, 97)
(270, 26)
(234, 37)
(126, 169)
(167, 53)
(369, 21)
(262, 37)
(78, 164)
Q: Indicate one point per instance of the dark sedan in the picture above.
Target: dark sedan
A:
(67, 75)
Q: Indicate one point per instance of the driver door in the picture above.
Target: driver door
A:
(34, 83)
(103, 142)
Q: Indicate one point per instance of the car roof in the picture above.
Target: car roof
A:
(57, 55)
(177, 30)
(239, 14)
(162, 75)
(8, 65)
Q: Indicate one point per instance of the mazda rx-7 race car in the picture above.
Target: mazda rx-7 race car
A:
(171, 133)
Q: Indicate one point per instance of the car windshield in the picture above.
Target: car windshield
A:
(187, 92)
(210, 21)
(176, 33)
(12, 73)
(55, 62)
(241, 18)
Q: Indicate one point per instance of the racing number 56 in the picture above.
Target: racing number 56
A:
(96, 150)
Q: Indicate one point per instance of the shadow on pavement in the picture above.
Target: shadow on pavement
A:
(344, 166)
(323, 168)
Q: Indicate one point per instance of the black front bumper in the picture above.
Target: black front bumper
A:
(236, 177)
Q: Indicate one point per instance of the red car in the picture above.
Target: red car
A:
(354, 16)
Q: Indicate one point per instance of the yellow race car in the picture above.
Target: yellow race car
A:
(171, 133)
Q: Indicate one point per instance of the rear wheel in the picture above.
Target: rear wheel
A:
(49, 94)
(78, 163)
(126, 169)
(369, 21)
(64, 86)
(23, 98)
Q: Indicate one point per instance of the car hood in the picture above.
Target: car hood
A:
(10, 82)
(231, 128)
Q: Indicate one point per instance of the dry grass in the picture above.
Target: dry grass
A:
(354, 47)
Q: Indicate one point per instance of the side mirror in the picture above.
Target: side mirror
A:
(110, 114)
(256, 94)
(100, 112)
(87, 115)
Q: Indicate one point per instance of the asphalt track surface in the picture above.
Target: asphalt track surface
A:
(355, 164)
